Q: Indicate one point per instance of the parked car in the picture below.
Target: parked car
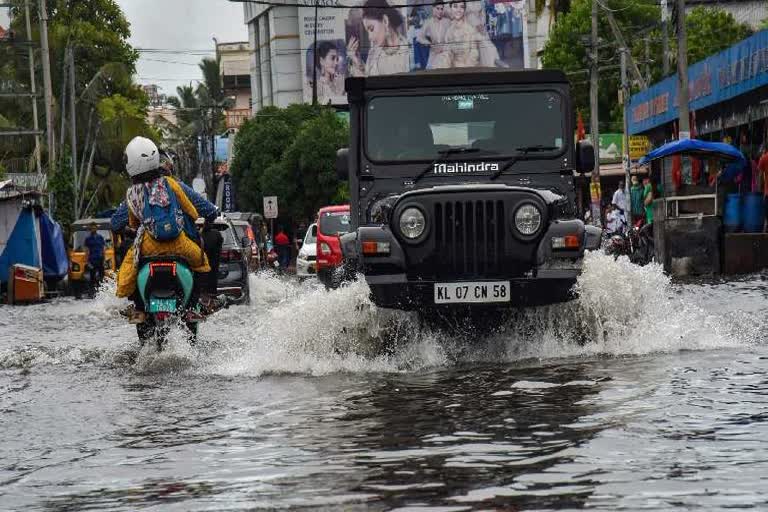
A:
(243, 230)
(233, 264)
(332, 222)
(306, 265)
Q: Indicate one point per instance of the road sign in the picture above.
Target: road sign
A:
(639, 146)
(270, 207)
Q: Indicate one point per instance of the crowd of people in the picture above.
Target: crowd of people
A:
(635, 210)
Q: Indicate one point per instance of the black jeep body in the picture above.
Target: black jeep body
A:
(462, 188)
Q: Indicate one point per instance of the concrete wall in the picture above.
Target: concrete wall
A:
(275, 63)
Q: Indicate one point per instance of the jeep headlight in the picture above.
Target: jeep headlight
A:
(412, 223)
(528, 219)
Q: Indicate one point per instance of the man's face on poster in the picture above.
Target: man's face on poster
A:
(438, 11)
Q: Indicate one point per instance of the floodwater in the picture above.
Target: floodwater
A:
(289, 404)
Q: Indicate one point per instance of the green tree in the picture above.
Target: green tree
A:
(709, 31)
(290, 153)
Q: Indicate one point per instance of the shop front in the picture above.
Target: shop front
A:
(728, 95)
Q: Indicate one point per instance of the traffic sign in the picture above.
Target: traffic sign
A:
(270, 207)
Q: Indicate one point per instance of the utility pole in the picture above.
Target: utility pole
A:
(623, 44)
(47, 85)
(593, 118)
(33, 90)
(73, 130)
(647, 60)
(682, 73)
(314, 59)
(664, 38)
(625, 110)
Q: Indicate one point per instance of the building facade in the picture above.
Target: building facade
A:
(235, 69)
(281, 42)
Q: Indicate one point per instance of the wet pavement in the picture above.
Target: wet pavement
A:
(640, 395)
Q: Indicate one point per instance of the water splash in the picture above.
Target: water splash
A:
(293, 327)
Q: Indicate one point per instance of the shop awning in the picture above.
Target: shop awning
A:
(694, 147)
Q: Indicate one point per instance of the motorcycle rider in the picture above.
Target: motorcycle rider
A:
(161, 210)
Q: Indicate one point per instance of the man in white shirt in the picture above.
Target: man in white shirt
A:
(612, 219)
(620, 202)
(620, 199)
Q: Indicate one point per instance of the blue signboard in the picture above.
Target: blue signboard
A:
(734, 71)
(228, 196)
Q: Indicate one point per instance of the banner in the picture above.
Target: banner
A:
(735, 71)
(376, 39)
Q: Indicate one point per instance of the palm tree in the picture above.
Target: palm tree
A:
(200, 116)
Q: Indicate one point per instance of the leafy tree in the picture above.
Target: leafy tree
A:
(200, 113)
(708, 30)
(290, 153)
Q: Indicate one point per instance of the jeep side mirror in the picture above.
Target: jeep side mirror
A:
(585, 156)
(342, 164)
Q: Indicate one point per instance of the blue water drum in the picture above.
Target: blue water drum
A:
(753, 212)
(732, 213)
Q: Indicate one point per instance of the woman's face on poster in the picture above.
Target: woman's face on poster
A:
(377, 30)
(457, 10)
(330, 62)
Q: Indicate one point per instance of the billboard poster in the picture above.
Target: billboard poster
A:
(375, 38)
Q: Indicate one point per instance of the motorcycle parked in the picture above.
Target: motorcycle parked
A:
(165, 285)
(636, 243)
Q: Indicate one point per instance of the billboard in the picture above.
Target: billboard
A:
(375, 38)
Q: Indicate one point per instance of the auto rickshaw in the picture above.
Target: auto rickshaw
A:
(79, 275)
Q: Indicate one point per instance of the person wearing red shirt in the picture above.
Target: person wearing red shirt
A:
(283, 244)
(762, 168)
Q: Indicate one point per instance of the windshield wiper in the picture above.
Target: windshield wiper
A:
(441, 155)
(521, 152)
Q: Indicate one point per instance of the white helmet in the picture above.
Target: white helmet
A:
(141, 156)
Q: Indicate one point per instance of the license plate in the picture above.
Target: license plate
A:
(162, 305)
(472, 292)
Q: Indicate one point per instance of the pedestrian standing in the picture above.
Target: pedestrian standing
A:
(620, 200)
(95, 244)
(283, 244)
(762, 167)
(636, 200)
(649, 194)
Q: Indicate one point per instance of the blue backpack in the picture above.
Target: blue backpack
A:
(163, 222)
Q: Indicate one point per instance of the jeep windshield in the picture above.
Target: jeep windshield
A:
(420, 128)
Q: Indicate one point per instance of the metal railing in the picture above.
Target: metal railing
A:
(236, 117)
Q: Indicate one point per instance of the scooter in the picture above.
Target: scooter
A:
(165, 285)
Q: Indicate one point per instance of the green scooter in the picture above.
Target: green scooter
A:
(165, 285)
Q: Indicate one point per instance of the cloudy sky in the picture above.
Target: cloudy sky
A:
(185, 28)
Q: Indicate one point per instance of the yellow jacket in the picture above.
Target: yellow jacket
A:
(181, 247)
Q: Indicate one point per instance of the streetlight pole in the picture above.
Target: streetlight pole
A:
(682, 73)
(593, 118)
(314, 58)
(33, 89)
(47, 85)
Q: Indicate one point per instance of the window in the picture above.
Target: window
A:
(401, 128)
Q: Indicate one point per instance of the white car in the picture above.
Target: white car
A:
(306, 266)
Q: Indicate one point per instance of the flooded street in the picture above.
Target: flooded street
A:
(640, 395)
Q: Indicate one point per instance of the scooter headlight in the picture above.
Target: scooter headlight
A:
(412, 223)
